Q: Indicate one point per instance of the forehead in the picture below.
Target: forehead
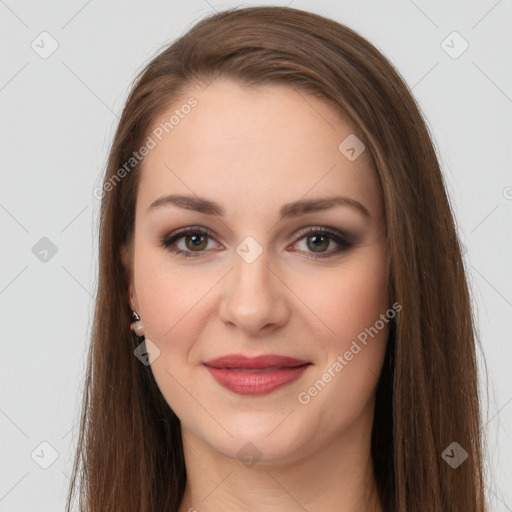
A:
(261, 143)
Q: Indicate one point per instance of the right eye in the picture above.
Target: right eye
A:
(194, 238)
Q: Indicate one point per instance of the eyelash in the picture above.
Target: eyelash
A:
(337, 237)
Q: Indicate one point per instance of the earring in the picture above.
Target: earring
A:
(136, 326)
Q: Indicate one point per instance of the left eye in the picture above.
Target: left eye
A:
(320, 238)
(196, 240)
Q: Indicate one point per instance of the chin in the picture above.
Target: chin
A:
(261, 441)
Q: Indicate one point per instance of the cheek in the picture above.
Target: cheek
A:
(357, 309)
(173, 300)
(347, 300)
(354, 304)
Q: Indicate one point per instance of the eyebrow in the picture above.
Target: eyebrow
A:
(288, 210)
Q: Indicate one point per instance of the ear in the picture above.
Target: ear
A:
(127, 260)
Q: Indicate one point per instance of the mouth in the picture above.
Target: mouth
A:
(254, 376)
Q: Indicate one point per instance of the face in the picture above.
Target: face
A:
(256, 277)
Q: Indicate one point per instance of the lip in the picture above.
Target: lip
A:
(255, 375)
(263, 361)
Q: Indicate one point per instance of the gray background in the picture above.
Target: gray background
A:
(57, 119)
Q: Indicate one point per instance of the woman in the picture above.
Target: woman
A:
(276, 233)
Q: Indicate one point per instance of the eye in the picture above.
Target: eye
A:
(194, 239)
(317, 240)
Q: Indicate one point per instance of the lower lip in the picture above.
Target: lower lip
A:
(257, 383)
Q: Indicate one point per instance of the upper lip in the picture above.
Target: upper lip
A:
(264, 361)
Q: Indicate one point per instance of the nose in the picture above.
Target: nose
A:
(255, 298)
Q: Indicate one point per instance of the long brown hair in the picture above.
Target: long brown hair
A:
(129, 454)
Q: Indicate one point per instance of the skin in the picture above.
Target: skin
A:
(252, 149)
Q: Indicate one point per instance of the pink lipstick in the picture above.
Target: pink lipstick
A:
(255, 375)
